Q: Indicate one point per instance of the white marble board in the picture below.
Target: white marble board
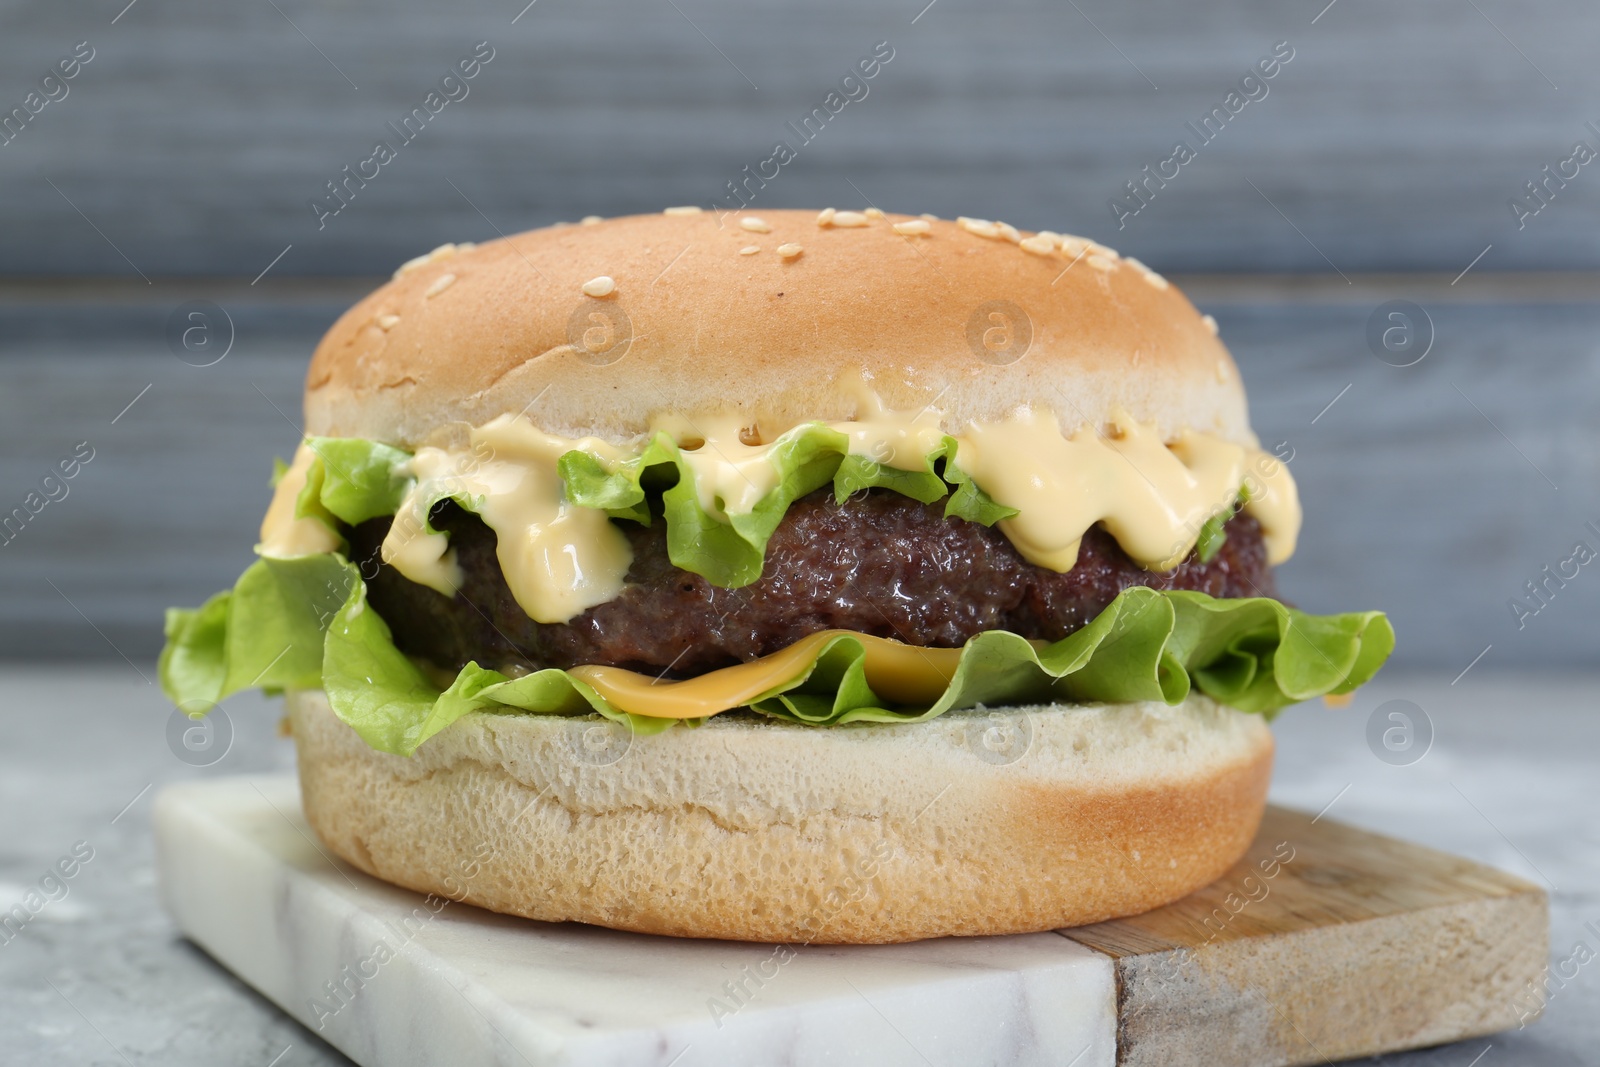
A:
(393, 978)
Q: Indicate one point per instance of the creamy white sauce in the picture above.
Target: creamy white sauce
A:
(1151, 498)
(730, 476)
(560, 559)
(284, 536)
(893, 438)
(422, 555)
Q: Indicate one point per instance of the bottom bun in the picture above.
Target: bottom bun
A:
(978, 822)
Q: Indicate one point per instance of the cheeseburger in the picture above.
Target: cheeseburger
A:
(797, 578)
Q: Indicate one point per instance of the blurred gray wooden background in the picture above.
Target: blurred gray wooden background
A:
(181, 160)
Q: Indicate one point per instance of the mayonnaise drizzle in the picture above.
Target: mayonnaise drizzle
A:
(892, 438)
(730, 476)
(422, 555)
(1275, 504)
(560, 559)
(1153, 499)
(283, 535)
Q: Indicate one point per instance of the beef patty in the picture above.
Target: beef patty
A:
(880, 563)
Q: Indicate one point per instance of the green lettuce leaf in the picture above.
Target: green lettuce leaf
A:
(305, 622)
(1212, 537)
(357, 480)
(728, 553)
(968, 501)
(308, 505)
(619, 491)
(267, 631)
(394, 708)
(351, 480)
(933, 482)
(373, 685)
(857, 472)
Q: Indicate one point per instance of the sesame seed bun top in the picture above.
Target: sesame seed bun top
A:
(597, 328)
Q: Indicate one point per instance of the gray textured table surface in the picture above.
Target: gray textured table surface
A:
(101, 977)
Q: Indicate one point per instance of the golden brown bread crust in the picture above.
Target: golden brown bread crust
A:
(753, 830)
(467, 336)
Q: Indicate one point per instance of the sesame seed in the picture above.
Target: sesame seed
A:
(825, 216)
(912, 227)
(1038, 244)
(1073, 246)
(1150, 276)
(875, 213)
(1222, 371)
(755, 225)
(444, 251)
(1099, 249)
(410, 265)
(590, 220)
(440, 284)
(980, 227)
(601, 286)
(1099, 262)
(1009, 232)
(1211, 324)
(930, 218)
(686, 209)
(388, 322)
(1049, 235)
(850, 219)
(790, 251)
(749, 250)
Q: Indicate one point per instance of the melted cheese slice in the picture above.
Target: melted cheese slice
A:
(284, 536)
(900, 673)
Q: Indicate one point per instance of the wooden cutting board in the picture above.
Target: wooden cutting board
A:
(1325, 942)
